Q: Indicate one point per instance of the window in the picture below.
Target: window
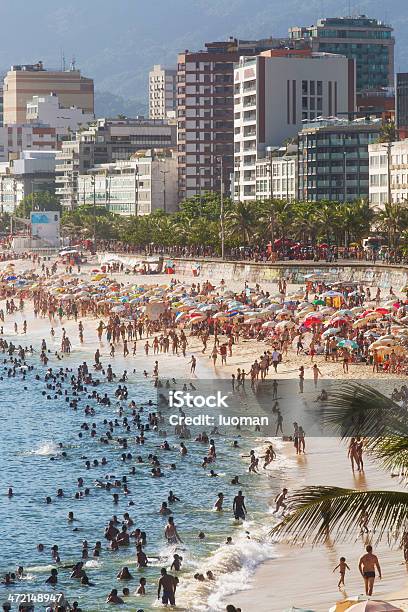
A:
(319, 88)
(304, 88)
(312, 88)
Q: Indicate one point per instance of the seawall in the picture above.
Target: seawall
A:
(379, 274)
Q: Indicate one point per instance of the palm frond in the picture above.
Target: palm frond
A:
(360, 410)
(316, 512)
(392, 454)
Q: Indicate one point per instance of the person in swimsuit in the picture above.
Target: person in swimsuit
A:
(367, 566)
(170, 532)
(238, 507)
(168, 584)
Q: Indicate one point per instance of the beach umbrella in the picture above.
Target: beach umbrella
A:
(369, 333)
(371, 316)
(345, 604)
(345, 313)
(332, 294)
(374, 606)
(338, 321)
(271, 324)
(330, 332)
(284, 324)
(359, 323)
(220, 315)
(272, 307)
(252, 321)
(319, 302)
(348, 344)
(118, 309)
(382, 310)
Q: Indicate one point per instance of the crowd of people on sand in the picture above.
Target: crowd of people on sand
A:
(264, 253)
(330, 321)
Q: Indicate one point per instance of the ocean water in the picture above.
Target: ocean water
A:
(31, 429)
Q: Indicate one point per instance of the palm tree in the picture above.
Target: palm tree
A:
(393, 218)
(240, 222)
(355, 410)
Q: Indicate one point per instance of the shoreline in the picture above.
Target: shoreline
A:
(269, 576)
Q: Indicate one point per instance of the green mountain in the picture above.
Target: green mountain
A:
(117, 42)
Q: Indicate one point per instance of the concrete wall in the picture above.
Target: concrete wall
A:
(379, 275)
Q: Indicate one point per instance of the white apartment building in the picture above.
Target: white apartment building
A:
(48, 110)
(284, 178)
(396, 155)
(162, 92)
(274, 93)
(17, 138)
(136, 187)
(33, 172)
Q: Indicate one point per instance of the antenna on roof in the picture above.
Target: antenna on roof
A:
(73, 63)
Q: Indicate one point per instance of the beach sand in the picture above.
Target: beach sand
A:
(300, 577)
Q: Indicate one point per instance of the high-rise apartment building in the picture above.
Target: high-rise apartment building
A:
(333, 159)
(401, 106)
(205, 113)
(162, 93)
(274, 94)
(23, 82)
(368, 41)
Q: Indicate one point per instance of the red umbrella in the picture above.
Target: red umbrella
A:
(339, 321)
(383, 310)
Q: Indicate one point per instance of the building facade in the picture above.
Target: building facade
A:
(274, 94)
(135, 187)
(49, 111)
(388, 160)
(22, 82)
(333, 159)
(401, 107)
(368, 41)
(107, 141)
(162, 92)
(205, 114)
(17, 138)
(284, 179)
(32, 173)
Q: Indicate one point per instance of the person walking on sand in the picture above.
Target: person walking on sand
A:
(316, 374)
(193, 362)
(367, 566)
(342, 567)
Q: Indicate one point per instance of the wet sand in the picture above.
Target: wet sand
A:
(302, 576)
